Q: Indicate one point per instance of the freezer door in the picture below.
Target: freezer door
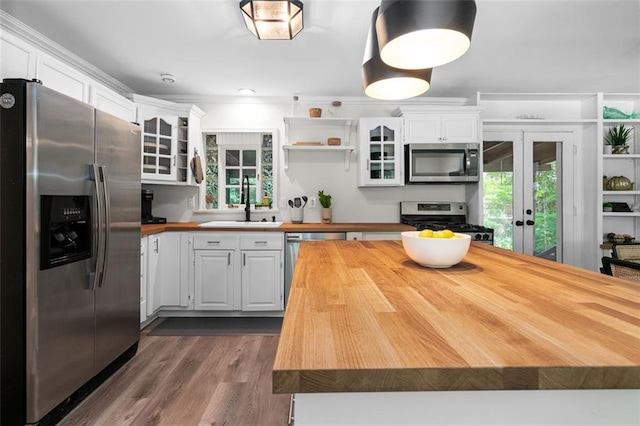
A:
(59, 300)
(118, 294)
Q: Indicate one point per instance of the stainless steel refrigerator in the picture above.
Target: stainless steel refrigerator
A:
(69, 249)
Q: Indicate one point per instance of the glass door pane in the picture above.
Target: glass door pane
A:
(498, 189)
(547, 195)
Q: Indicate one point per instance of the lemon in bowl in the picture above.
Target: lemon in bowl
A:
(436, 249)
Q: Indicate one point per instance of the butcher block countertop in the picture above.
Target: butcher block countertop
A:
(361, 317)
(286, 227)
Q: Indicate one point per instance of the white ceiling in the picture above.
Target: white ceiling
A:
(517, 46)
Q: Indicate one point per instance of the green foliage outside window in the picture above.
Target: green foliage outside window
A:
(498, 208)
(240, 162)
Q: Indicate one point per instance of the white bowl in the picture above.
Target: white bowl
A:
(436, 252)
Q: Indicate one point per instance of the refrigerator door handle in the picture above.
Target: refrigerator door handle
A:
(107, 224)
(97, 177)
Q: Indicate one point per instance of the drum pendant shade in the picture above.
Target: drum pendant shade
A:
(417, 34)
(387, 83)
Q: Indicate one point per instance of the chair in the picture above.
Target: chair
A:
(621, 268)
(629, 251)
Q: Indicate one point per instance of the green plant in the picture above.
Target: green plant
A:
(618, 136)
(607, 205)
(325, 199)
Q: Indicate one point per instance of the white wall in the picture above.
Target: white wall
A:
(310, 171)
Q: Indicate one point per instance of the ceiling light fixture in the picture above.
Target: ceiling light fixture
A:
(384, 82)
(246, 91)
(167, 78)
(273, 19)
(424, 34)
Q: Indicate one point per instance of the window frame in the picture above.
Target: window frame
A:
(221, 195)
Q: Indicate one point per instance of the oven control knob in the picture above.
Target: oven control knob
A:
(485, 237)
(477, 237)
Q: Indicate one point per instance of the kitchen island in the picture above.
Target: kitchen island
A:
(501, 338)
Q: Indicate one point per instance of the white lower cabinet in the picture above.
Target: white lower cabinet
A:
(167, 271)
(153, 276)
(174, 272)
(143, 279)
(238, 271)
(211, 271)
(214, 279)
(261, 280)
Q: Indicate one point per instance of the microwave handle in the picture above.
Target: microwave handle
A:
(471, 161)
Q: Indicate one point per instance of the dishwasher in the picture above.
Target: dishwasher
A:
(293, 240)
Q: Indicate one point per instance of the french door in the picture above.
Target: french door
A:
(528, 191)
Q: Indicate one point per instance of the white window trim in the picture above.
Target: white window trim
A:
(275, 144)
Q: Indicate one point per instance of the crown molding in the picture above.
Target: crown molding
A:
(19, 29)
(346, 100)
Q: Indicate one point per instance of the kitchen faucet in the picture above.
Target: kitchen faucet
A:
(247, 201)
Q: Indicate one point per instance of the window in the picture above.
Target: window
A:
(230, 157)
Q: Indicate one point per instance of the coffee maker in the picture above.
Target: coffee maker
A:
(147, 216)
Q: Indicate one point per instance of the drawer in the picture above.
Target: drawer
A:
(214, 241)
(262, 241)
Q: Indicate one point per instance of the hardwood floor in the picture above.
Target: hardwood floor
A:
(213, 380)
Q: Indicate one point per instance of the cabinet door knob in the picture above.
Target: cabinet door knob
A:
(530, 222)
(519, 223)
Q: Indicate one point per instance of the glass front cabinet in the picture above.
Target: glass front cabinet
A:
(159, 136)
(380, 154)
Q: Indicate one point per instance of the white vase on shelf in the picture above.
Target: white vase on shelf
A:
(607, 149)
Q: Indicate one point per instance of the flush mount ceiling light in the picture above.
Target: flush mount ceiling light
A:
(167, 78)
(384, 82)
(246, 91)
(426, 33)
(273, 19)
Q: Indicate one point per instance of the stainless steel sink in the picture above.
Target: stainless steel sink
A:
(239, 224)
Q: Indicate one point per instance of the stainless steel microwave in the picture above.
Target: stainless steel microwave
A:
(444, 163)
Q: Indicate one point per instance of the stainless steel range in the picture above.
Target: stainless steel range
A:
(437, 215)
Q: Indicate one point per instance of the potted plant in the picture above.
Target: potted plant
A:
(607, 207)
(325, 202)
(618, 138)
(209, 200)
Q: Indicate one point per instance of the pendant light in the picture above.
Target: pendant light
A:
(415, 34)
(384, 82)
(273, 19)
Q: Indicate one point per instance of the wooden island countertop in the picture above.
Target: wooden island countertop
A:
(363, 317)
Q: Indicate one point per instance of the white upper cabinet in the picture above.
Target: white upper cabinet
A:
(440, 124)
(20, 58)
(380, 152)
(170, 132)
(110, 102)
(17, 58)
(62, 78)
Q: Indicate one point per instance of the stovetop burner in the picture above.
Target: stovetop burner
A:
(442, 215)
(455, 227)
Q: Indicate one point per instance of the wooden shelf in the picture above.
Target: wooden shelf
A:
(325, 148)
(620, 156)
(620, 214)
(620, 192)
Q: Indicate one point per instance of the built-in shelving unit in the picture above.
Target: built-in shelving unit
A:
(347, 150)
(318, 130)
(627, 165)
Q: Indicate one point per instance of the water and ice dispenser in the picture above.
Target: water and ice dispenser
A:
(66, 233)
